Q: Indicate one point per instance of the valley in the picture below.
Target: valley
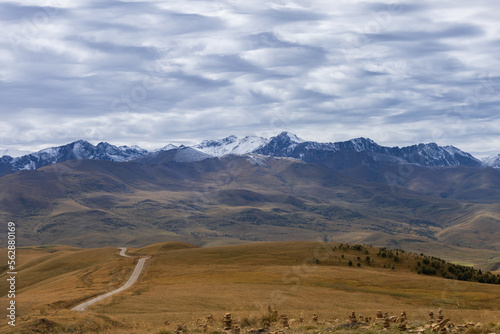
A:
(312, 234)
(252, 198)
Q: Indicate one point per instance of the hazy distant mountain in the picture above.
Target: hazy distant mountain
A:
(166, 148)
(173, 154)
(492, 161)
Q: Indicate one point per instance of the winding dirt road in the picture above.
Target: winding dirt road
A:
(133, 278)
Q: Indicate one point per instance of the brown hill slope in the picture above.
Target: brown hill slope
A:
(183, 283)
(239, 199)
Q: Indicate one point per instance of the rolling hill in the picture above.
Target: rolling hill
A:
(184, 283)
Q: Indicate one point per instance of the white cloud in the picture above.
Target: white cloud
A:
(155, 72)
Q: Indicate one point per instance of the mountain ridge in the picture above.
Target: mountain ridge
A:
(77, 150)
(334, 155)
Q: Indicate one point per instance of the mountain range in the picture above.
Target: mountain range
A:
(423, 198)
(339, 155)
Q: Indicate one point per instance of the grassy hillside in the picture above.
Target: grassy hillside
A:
(183, 283)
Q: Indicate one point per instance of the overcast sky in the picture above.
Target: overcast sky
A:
(157, 72)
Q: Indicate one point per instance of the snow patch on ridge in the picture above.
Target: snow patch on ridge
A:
(189, 154)
(167, 148)
(492, 161)
(231, 145)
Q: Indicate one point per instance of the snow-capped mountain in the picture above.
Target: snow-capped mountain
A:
(231, 145)
(106, 151)
(166, 148)
(77, 150)
(433, 155)
(492, 161)
(287, 144)
(338, 155)
(333, 154)
(189, 154)
(173, 153)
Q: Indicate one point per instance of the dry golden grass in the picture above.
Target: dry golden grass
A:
(183, 283)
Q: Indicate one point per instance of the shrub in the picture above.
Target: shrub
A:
(250, 321)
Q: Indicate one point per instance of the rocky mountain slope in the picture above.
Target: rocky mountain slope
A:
(340, 155)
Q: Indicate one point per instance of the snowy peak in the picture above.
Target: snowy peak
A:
(341, 153)
(77, 150)
(230, 145)
(282, 145)
(167, 148)
(286, 136)
(432, 154)
(492, 161)
(458, 154)
(106, 151)
(249, 144)
(363, 144)
(218, 147)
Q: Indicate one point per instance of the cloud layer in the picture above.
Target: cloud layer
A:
(155, 72)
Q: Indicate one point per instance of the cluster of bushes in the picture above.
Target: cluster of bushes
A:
(426, 265)
(359, 248)
(352, 247)
(433, 266)
(390, 253)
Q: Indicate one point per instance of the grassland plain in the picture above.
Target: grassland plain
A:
(182, 284)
